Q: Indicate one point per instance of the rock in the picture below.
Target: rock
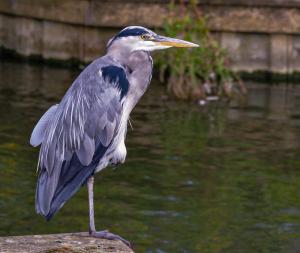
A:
(61, 243)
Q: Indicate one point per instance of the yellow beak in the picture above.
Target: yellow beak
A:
(166, 41)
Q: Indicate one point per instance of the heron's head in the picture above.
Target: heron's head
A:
(135, 38)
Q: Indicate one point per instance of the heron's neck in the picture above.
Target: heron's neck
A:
(139, 72)
(131, 60)
(118, 53)
(139, 69)
(139, 61)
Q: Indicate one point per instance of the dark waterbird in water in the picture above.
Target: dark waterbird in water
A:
(85, 132)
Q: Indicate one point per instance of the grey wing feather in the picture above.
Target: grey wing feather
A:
(86, 151)
(89, 108)
(87, 117)
(38, 132)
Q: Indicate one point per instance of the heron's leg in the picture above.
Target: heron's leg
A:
(92, 229)
(90, 186)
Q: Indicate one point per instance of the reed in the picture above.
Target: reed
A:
(196, 73)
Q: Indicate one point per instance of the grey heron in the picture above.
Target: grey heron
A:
(86, 131)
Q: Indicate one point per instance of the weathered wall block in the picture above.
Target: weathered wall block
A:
(60, 41)
(294, 53)
(28, 37)
(278, 53)
(93, 42)
(253, 19)
(247, 52)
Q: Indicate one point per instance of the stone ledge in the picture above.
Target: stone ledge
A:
(60, 243)
(260, 16)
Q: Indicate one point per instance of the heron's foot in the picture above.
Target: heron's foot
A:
(105, 234)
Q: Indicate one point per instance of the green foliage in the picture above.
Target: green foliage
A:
(197, 72)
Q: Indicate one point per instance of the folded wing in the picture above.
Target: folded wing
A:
(75, 134)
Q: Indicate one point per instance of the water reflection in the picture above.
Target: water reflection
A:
(211, 179)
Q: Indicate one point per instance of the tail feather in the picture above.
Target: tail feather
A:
(66, 183)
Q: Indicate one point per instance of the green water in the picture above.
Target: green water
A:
(197, 179)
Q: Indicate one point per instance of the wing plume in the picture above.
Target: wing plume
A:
(38, 132)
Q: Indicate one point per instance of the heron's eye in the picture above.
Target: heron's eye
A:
(145, 37)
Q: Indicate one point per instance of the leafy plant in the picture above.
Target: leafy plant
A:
(199, 72)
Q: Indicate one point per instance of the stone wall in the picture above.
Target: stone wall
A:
(259, 35)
